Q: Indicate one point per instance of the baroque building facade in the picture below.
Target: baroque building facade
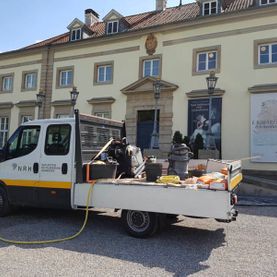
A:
(115, 61)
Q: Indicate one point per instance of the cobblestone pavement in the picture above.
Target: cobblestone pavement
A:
(192, 247)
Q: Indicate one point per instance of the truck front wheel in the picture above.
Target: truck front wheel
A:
(140, 224)
(4, 202)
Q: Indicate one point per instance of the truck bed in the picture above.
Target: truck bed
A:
(140, 195)
(131, 194)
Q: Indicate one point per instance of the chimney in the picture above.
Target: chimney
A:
(91, 17)
(161, 5)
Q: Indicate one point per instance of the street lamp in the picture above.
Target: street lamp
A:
(40, 101)
(157, 85)
(211, 83)
(73, 96)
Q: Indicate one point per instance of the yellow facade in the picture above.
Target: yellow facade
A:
(235, 34)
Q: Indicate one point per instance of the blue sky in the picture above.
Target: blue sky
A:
(27, 21)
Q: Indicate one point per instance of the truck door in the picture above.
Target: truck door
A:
(19, 168)
(56, 165)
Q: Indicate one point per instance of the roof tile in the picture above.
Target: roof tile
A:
(153, 18)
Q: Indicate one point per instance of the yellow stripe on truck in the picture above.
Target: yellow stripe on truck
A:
(235, 181)
(38, 184)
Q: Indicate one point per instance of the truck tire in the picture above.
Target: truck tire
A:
(4, 203)
(140, 224)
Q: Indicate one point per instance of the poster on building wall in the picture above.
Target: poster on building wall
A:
(264, 127)
(198, 120)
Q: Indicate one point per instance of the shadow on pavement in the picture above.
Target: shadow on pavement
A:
(258, 210)
(178, 249)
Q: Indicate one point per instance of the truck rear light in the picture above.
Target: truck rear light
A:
(234, 199)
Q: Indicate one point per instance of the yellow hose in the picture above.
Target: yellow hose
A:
(57, 240)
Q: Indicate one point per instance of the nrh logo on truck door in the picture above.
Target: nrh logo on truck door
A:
(22, 168)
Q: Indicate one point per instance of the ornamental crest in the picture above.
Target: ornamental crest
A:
(151, 44)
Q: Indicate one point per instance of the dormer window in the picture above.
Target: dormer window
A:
(267, 2)
(79, 30)
(76, 34)
(112, 27)
(210, 7)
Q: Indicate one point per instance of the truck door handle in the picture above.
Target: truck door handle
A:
(64, 168)
(35, 167)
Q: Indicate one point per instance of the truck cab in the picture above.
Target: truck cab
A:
(36, 164)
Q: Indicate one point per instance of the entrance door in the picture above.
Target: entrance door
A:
(145, 124)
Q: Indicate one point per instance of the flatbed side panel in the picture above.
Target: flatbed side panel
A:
(234, 175)
(155, 198)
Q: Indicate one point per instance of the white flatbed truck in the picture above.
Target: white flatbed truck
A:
(41, 166)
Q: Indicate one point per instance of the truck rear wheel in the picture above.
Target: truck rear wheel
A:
(140, 224)
(4, 202)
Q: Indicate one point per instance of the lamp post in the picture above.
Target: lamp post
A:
(40, 102)
(73, 96)
(157, 85)
(211, 83)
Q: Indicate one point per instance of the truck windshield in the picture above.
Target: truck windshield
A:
(22, 142)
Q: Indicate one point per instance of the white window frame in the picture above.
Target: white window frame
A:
(61, 115)
(207, 53)
(76, 34)
(26, 118)
(210, 7)
(102, 114)
(105, 66)
(32, 82)
(268, 2)
(66, 83)
(4, 130)
(269, 53)
(112, 29)
(7, 83)
(151, 67)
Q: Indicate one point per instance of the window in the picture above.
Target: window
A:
(6, 83)
(209, 8)
(103, 73)
(268, 53)
(206, 61)
(57, 140)
(151, 68)
(65, 77)
(103, 114)
(4, 129)
(267, 2)
(26, 118)
(23, 141)
(112, 27)
(62, 115)
(76, 34)
(29, 80)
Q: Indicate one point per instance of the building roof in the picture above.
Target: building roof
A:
(182, 13)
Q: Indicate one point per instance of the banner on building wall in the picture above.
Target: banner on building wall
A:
(264, 127)
(198, 120)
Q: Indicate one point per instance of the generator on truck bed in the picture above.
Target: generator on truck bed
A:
(45, 163)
